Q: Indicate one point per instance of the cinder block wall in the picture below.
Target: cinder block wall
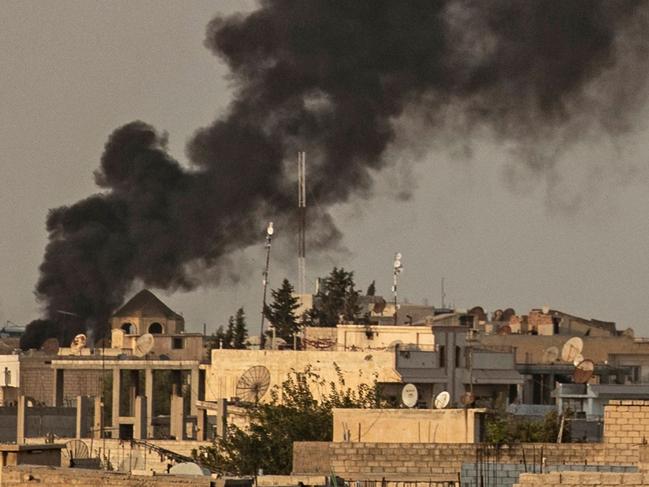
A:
(425, 460)
(28, 476)
(626, 422)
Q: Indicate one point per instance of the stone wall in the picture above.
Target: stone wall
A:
(29, 475)
(407, 425)
(626, 422)
(582, 478)
(39, 422)
(424, 460)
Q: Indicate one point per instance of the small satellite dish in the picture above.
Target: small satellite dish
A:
(583, 371)
(78, 343)
(143, 345)
(467, 398)
(50, 346)
(409, 395)
(550, 355)
(269, 229)
(442, 400)
(571, 349)
(577, 360)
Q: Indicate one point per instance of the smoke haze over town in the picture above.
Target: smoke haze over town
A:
(503, 148)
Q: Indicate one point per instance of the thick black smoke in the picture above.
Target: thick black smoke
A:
(332, 78)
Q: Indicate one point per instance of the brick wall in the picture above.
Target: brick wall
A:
(582, 478)
(28, 476)
(626, 423)
(433, 460)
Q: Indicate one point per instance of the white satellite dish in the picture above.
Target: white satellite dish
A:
(143, 345)
(550, 355)
(78, 342)
(409, 395)
(442, 400)
(571, 349)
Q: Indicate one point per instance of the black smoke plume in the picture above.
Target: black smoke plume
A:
(333, 78)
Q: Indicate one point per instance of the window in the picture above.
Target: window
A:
(442, 356)
(177, 343)
(155, 328)
(458, 354)
(128, 328)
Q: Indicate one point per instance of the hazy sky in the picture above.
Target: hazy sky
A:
(71, 71)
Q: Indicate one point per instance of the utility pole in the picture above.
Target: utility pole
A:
(269, 238)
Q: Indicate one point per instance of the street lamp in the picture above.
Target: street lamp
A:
(269, 237)
(395, 278)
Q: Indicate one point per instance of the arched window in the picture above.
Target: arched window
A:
(128, 328)
(155, 328)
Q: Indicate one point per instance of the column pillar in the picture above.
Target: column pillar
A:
(21, 420)
(177, 417)
(194, 389)
(148, 392)
(57, 389)
(83, 417)
(141, 422)
(201, 425)
(115, 406)
(98, 418)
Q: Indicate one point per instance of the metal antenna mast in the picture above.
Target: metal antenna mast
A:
(269, 238)
(395, 280)
(301, 203)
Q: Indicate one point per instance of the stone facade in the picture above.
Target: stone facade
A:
(582, 478)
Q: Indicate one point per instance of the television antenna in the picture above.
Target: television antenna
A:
(442, 399)
(269, 237)
(409, 395)
(143, 345)
(253, 384)
(397, 269)
(301, 203)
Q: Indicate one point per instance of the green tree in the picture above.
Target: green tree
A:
(293, 414)
(240, 331)
(336, 301)
(281, 312)
(371, 289)
(503, 428)
(228, 336)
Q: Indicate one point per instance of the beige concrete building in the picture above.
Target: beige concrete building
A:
(368, 337)
(230, 370)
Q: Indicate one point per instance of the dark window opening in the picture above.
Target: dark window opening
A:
(442, 356)
(128, 328)
(155, 328)
(177, 343)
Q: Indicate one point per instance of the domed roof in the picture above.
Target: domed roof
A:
(146, 304)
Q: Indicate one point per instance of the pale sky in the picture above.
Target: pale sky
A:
(72, 71)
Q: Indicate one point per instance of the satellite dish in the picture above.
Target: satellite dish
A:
(143, 345)
(577, 360)
(545, 309)
(269, 229)
(188, 468)
(78, 342)
(442, 400)
(409, 395)
(571, 349)
(379, 306)
(50, 346)
(253, 384)
(583, 371)
(550, 355)
(467, 398)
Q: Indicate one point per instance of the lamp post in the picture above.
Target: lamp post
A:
(269, 237)
(395, 278)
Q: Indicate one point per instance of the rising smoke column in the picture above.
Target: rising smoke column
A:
(333, 78)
